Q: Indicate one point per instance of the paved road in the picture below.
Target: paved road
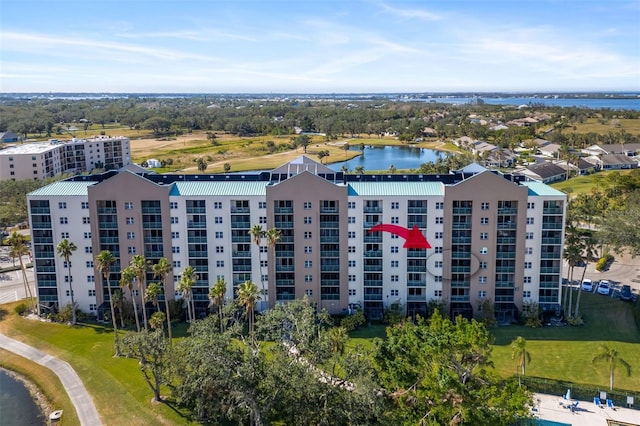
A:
(80, 398)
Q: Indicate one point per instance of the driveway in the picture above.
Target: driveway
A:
(78, 394)
(624, 270)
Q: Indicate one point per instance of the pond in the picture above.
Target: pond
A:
(17, 407)
(382, 157)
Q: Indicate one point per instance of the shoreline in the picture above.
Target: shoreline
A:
(36, 393)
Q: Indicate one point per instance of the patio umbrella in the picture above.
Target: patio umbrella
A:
(568, 394)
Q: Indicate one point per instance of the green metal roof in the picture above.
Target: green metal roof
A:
(396, 189)
(63, 188)
(221, 188)
(542, 189)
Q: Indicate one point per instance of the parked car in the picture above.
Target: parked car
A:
(625, 292)
(604, 287)
(587, 285)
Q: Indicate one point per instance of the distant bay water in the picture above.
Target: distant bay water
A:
(630, 102)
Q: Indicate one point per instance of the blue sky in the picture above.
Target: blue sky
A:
(316, 46)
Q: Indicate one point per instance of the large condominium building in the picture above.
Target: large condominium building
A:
(491, 236)
(43, 160)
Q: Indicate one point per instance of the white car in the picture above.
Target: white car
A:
(604, 287)
(587, 285)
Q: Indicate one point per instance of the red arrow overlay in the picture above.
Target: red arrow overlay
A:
(414, 238)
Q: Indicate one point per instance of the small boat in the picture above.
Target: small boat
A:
(55, 415)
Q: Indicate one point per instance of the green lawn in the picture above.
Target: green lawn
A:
(582, 184)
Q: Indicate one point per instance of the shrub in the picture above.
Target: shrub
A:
(604, 262)
(531, 315)
(354, 321)
(20, 309)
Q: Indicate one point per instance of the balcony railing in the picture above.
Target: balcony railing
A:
(284, 225)
(241, 268)
(460, 255)
(416, 268)
(196, 239)
(462, 210)
(285, 296)
(196, 225)
(329, 224)
(416, 298)
(551, 241)
(372, 209)
(325, 239)
(330, 296)
(283, 210)
(373, 283)
(198, 253)
(284, 268)
(241, 253)
(235, 209)
(107, 225)
(417, 210)
(550, 255)
(506, 255)
(459, 298)
(106, 210)
(419, 224)
(330, 283)
(507, 210)
(547, 225)
(285, 253)
(508, 225)
(198, 210)
(40, 210)
(329, 253)
(552, 210)
(461, 225)
(372, 297)
(329, 268)
(283, 282)
(416, 283)
(373, 253)
(460, 269)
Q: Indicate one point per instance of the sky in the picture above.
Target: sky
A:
(319, 46)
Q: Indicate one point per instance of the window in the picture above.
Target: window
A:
(395, 205)
(175, 235)
(352, 249)
(484, 221)
(262, 220)
(484, 206)
(529, 221)
(439, 220)
(86, 220)
(527, 265)
(395, 219)
(175, 249)
(92, 306)
(529, 236)
(437, 278)
(62, 205)
(307, 220)
(438, 264)
(131, 235)
(64, 235)
(92, 293)
(307, 235)
(395, 278)
(129, 221)
(136, 293)
(64, 221)
(482, 294)
(351, 234)
(307, 205)
(308, 278)
(528, 250)
(437, 293)
(483, 265)
(263, 249)
(484, 235)
(526, 294)
(438, 249)
(84, 205)
(482, 279)
(395, 263)
(218, 204)
(308, 263)
(352, 292)
(131, 250)
(265, 279)
(351, 204)
(394, 292)
(352, 264)
(352, 278)
(88, 250)
(218, 220)
(394, 236)
(87, 235)
(394, 249)
(173, 205)
(262, 204)
(174, 219)
(219, 263)
(527, 280)
(438, 235)
(351, 219)
(176, 264)
(219, 235)
(263, 263)
(308, 249)
(484, 250)
(308, 292)
(128, 205)
(89, 264)
(219, 249)
(66, 265)
(531, 206)
(439, 205)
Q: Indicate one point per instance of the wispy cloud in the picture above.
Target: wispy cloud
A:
(413, 13)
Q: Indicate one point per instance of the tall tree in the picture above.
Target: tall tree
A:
(185, 286)
(161, 270)
(216, 296)
(257, 234)
(589, 244)
(519, 351)
(18, 248)
(248, 295)
(103, 262)
(65, 250)
(127, 276)
(140, 267)
(611, 358)
(273, 236)
(153, 355)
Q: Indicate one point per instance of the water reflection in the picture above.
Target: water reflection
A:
(383, 157)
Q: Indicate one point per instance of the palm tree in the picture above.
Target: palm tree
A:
(18, 244)
(519, 351)
(118, 300)
(573, 255)
(161, 270)
(185, 286)
(65, 250)
(257, 233)
(127, 276)
(103, 262)
(248, 295)
(273, 236)
(589, 247)
(139, 266)
(216, 296)
(611, 357)
(152, 292)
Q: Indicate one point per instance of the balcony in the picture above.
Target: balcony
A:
(504, 284)
(45, 268)
(372, 209)
(461, 225)
(329, 268)
(40, 210)
(241, 253)
(417, 210)
(196, 239)
(196, 225)
(416, 268)
(461, 240)
(107, 210)
(507, 210)
(461, 269)
(48, 283)
(329, 224)
(283, 283)
(42, 240)
(549, 225)
(41, 225)
(416, 283)
(373, 268)
(460, 255)
(506, 255)
(285, 253)
(109, 240)
(552, 210)
(150, 225)
(44, 253)
(373, 283)
(508, 269)
(151, 240)
(283, 210)
(420, 224)
(373, 253)
(285, 296)
(198, 253)
(330, 296)
(548, 299)
(552, 241)
(460, 298)
(416, 298)
(372, 297)
(550, 255)
(328, 210)
(367, 225)
(283, 268)
(241, 268)
(151, 210)
(107, 225)
(240, 210)
(241, 224)
(460, 284)
(505, 240)
(330, 283)
(241, 239)
(462, 210)
(417, 253)
(329, 253)
(153, 254)
(507, 225)
(284, 225)
(552, 270)
(47, 298)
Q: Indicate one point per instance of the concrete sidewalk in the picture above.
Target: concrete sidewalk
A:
(553, 408)
(79, 396)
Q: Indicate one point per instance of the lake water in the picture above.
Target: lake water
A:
(630, 103)
(382, 157)
(17, 407)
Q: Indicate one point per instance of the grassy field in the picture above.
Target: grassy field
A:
(582, 184)
(594, 125)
